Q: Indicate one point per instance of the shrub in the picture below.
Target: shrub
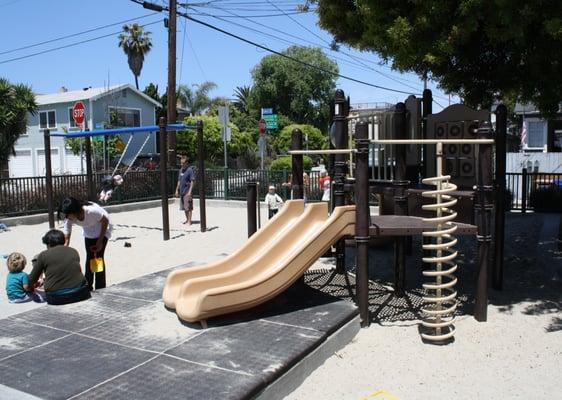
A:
(547, 199)
(286, 163)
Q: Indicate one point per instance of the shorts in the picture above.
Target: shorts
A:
(186, 203)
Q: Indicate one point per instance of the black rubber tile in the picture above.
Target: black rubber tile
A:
(259, 348)
(326, 317)
(151, 327)
(67, 366)
(147, 287)
(17, 335)
(171, 379)
(78, 316)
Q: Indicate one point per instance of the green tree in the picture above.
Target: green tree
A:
(282, 163)
(242, 95)
(16, 101)
(478, 49)
(152, 91)
(195, 98)
(136, 43)
(313, 139)
(300, 92)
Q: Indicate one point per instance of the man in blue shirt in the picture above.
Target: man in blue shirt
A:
(186, 181)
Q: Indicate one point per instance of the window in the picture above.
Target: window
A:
(47, 119)
(537, 134)
(71, 123)
(124, 117)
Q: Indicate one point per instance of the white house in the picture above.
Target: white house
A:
(130, 106)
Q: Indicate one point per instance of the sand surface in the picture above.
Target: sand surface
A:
(517, 354)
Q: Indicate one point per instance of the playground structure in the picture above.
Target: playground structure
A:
(278, 254)
(163, 130)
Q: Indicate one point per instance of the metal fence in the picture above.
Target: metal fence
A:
(26, 196)
(534, 191)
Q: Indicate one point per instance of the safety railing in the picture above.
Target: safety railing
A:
(534, 191)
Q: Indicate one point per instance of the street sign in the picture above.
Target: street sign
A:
(271, 121)
(78, 113)
(266, 111)
(263, 127)
(223, 115)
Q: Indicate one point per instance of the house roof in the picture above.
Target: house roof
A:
(88, 94)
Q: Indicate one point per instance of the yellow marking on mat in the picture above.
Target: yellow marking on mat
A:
(381, 395)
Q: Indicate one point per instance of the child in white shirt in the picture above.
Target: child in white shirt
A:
(274, 202)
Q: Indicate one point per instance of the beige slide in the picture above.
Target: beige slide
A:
(257, 243)
(260, 273)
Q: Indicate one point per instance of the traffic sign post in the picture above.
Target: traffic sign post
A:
(271, 121)
(78, 113)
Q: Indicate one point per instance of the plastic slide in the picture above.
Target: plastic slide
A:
(288, 214)
(262, 273)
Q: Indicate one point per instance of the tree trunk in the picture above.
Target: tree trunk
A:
(137, 82)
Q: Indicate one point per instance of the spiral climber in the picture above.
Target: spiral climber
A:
(440, 295)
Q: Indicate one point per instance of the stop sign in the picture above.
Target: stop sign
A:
(78, 113)
(263, 126)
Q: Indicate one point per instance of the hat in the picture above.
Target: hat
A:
(272, 187)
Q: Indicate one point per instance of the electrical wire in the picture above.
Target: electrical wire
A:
(182, 50)
(70, 45)
(75, 34)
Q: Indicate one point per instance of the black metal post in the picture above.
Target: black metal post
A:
(501, 137)
(297, 180)
(524, 184)
(341, 110)
(251, 202)
(362, 219)
(49, 178)
(483, 214)
(164, 178)
(400, 197)
(427, 109)
(89, 173)
(201, 176)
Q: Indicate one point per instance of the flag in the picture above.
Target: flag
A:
(525, 135)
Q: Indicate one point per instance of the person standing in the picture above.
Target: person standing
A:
(273, 201)
(97, 229)
(184, 188)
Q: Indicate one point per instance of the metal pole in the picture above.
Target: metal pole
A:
(362, 219)
(340, 168)
(171, 93)
(258, 204)
(225, 144)
(89, 173)
(251, 198)
(201, 176)
(483, 211)
(49, 178)
(427, 108)
(297, 180)
(400, 197)
(501, 137)
(524, 183)
(164, 179)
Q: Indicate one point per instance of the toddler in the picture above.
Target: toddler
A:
(109, 184)
(17, 281)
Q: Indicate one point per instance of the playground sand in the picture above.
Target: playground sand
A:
(517, 354)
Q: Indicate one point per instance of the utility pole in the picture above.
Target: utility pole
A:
(171, 112)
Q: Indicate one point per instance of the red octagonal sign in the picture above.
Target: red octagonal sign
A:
(78, 112)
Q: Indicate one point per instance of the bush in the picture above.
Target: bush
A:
(547, 199)
(286, 163)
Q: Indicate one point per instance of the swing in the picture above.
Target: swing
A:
(110, 182)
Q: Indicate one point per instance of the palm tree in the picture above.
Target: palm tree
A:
(136, 43)
(16, 101)
(242, 96)
(196, 98)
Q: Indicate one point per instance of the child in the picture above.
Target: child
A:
(18, 288)
(273, 201)
(108, 185)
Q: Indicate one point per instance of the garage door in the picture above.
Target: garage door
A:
(73, 163)
(55, 162)
(21, 164)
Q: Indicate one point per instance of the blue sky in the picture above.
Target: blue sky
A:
(207, 55)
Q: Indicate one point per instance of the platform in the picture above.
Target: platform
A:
(123, 344)
(398, 225)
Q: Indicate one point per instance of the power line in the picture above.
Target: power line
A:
(291, 58)
(70, 45)
(75, 34)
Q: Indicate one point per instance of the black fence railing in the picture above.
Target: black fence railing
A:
(534, 191)
(26, 196)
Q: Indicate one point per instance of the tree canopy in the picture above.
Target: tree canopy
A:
(195, 98)
(136, 43)
(299, 92)
(479, 49)
(16, 101)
